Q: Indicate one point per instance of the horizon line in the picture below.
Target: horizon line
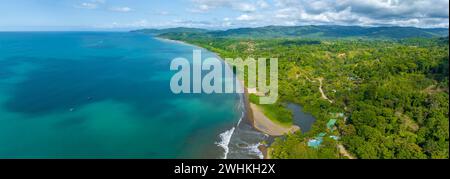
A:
(124, 29)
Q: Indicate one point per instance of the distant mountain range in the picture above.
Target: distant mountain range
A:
(171, 30)
(306, 32)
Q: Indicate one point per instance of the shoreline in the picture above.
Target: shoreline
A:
(258, 120)
(170, 40)
(262, 123)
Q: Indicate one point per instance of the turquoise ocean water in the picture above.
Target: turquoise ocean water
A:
(105, 95)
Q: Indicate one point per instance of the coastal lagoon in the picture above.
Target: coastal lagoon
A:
(107, 95)
(301, 118)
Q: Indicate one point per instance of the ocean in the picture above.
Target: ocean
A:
(107, 95)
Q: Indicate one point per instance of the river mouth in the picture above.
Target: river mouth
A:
(245, 142)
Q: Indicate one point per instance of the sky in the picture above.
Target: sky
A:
(24, 15)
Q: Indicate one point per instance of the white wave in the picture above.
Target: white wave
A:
(254, 150)
(225, 139)
(240, 120)
(242, 108)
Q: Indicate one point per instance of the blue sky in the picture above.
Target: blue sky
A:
(217, 14)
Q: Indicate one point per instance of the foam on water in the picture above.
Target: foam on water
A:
(254, 150)
(225, 139)
(242, 141)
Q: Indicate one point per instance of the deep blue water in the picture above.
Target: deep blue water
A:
(103, 95)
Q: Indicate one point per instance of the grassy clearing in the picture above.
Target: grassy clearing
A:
(275, 112)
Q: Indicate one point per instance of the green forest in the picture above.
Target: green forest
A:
(392, 94)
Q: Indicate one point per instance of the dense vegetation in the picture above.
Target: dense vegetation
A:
(322, 32)
(393, 93)
(171, 30)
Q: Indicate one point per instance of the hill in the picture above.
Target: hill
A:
(334, 32)
(171, 30)
(311, 32)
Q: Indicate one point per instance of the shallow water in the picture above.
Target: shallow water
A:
(104, 95)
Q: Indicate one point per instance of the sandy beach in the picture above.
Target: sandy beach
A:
(180, 42)
(264, 124)
(261, 122)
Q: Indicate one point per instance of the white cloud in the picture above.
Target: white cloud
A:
(121, 9)
(262, 4)
(207, 5)
(244, 17)
(91, 4)
(88, 5)
(227, 22)
(96, 4)
(249, 17)
(244, 7)
(239, 5)
(419, 13)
